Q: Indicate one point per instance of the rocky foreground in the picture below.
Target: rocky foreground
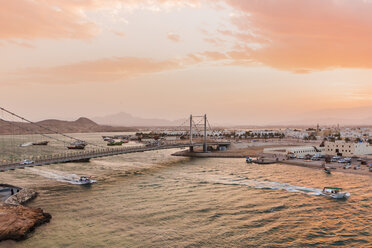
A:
(16, 221)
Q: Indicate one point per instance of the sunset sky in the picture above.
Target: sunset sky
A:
(239, 61)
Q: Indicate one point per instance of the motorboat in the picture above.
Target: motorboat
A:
(85, 180)
(327, 170)
(41, 143)
(248, 160)
(26, 144)
(79, 145)
(115, 143)
(335, 192)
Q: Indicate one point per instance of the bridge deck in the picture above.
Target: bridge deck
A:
(86, 155)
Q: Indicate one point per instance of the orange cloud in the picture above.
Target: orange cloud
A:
(174, 37)
(302, 35)
(117, 68)
(56, 19)
(23, 19)
(103, 70)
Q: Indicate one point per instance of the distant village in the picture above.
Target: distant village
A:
(335, 141)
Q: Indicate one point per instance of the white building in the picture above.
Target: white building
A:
(266, 132)
(293, 133)
(342, 148)
(297, 150)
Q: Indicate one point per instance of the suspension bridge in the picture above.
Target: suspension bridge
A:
(21, 146)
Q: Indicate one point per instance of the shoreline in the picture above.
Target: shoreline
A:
(335, 167)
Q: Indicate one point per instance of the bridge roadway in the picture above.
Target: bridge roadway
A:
(98, 153)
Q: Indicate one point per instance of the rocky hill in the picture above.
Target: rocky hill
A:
(81, 125)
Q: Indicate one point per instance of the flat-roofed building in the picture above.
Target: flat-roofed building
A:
(347, 149)
(297, 150)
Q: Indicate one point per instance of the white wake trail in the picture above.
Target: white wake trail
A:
(56, 175)
(261, 184)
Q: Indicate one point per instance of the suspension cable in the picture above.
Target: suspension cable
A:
(27, 129)
(46, 128)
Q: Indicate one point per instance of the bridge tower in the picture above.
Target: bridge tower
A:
(191, 147)
(205, 148)
(205, 134)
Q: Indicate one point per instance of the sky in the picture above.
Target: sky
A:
(239, 61)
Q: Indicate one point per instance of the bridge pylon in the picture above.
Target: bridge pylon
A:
(205, 146)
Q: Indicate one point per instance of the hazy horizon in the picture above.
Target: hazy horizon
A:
(241, 62)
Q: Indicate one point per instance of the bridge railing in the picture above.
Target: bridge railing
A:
(64, 157)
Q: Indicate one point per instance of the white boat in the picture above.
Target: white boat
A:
(86, 180)
(26, 144)
(249, 160)
(335, 192)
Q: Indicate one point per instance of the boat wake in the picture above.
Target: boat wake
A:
(58, 176)
(264, 185)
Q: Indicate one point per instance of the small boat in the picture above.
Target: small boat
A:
(326, 170)
(79, 145)
(76, 147)
(86, 180)
(115, 143)
(262, 161)
(42, 143)
(248, 160)
(335, 192)
(26, 144)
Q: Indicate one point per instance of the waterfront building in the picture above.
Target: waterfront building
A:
(297, 150)
(347, 149)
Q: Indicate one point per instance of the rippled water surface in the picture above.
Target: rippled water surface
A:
(155, 200)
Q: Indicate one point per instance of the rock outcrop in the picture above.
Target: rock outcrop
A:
(21, 197)
(17, 221)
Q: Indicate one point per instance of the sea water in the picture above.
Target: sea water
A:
(153, 199)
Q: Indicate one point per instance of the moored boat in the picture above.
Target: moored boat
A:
(79, 145)
(326, 170)
(115, 143)
(42, 143)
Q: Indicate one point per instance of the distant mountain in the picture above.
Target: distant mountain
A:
(128, 120)
(81, 125)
